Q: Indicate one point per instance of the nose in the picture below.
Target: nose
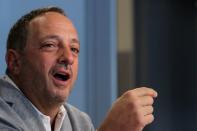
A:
(66, 56)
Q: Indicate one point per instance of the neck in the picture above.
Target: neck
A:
(45, 105)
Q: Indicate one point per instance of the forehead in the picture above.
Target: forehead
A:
(51, 22)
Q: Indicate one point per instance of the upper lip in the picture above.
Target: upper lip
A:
(62, 72)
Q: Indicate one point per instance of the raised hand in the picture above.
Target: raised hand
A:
(131, 112)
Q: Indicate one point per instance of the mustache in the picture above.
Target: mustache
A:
(67, 67)
(63, 65)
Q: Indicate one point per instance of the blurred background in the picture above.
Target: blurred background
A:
(127, 44)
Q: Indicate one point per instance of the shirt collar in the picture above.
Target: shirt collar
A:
(9, 80)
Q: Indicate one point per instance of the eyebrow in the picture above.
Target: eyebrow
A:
(73, 40)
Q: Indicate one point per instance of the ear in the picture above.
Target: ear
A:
(13, 61)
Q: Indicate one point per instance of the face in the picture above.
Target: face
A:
(49, 63)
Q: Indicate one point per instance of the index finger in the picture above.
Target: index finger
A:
(143, 91)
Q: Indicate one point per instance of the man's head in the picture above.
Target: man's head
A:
(42, 55)
(18, 34)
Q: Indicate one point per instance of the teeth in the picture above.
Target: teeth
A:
(61, 73)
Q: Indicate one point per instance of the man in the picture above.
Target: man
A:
(42, 66)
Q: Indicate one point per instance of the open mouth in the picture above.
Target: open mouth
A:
(62, 76)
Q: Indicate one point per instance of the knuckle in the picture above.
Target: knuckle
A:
(144, 88)
(151, 109)
(151, 119)
(150, 100)
(141, 122)
(139, 117)
(131, 97)
(133, 104)
(130, 94)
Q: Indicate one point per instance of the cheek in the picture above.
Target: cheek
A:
(46, 63)
(75, 69)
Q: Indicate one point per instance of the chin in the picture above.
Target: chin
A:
(61, 96)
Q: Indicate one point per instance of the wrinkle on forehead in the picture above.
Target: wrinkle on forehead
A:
(52, 22)
(53, 17)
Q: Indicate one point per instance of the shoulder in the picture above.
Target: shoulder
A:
(8, 119)
(16, 112)
(78, 118)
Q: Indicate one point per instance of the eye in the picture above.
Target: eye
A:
(75, 50)
(48, 46)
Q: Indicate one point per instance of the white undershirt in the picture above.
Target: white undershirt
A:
(45, 119)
